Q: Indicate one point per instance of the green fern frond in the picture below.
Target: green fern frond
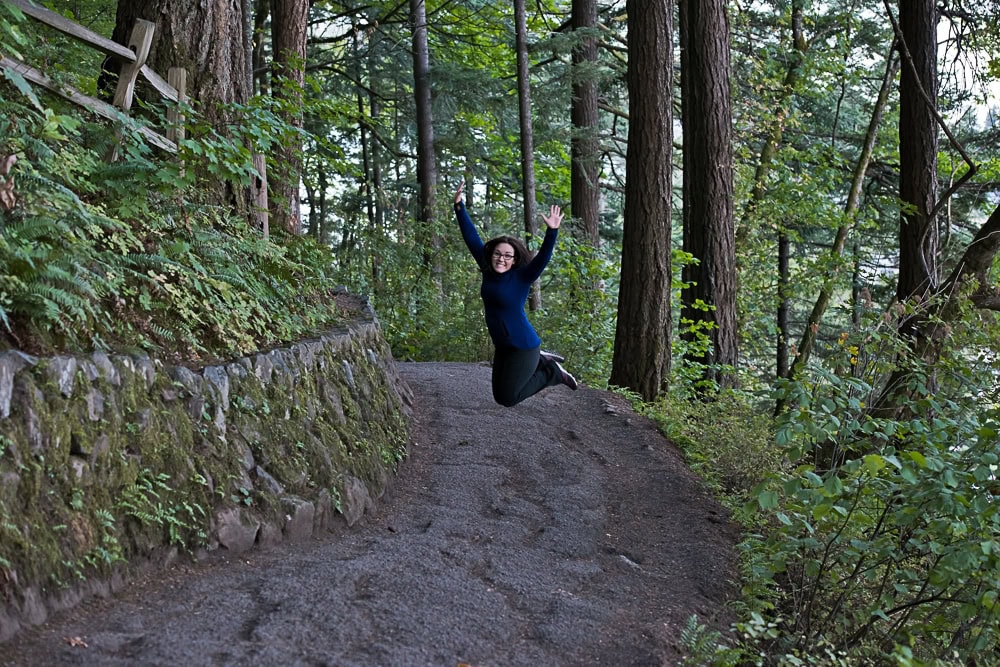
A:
(57, 301)
(142, 262)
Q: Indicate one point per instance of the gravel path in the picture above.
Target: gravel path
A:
(564, 531)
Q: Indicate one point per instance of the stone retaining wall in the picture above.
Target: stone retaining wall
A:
(109, 463)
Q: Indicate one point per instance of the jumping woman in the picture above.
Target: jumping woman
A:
(520, 367)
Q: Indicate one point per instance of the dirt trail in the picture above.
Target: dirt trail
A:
(564, 531)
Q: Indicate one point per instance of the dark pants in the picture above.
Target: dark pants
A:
(518, 374)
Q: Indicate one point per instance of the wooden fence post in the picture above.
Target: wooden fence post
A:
(260, 193)
(139, 43)
(177, 77)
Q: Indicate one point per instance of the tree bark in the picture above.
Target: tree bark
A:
(585, 147)
(289, 19)
(784, 335)
(641, 359)
(426, 159)
(259, 71)
(205, 37)
(527, 137)
(709, 232)
(375, 112)
(918, 188)
(918, 145)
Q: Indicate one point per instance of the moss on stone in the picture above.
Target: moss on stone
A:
(111, 458)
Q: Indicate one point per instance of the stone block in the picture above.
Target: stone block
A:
(299, 515)
(235, 532)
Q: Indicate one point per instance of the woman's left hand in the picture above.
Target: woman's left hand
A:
(554, 218)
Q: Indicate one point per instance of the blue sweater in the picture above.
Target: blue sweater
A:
(504, 294)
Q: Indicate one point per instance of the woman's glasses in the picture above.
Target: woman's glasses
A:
(507, 257)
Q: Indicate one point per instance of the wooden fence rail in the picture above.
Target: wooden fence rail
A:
(134, 59)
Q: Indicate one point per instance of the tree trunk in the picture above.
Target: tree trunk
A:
(365, 178)
(642, 338)
(426, 159)
(918, 145)
(585, 190)
(205, 37)
(709, 302)
(259, 71)
(527, 137)
(375, 112)
(918, 239)
(289, 19)
(784, 335)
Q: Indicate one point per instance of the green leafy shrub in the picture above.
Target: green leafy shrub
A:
(727, 440)
(887, 552)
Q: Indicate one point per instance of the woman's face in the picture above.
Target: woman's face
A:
(503, 257)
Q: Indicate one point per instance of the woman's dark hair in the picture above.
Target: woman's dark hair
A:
(521, 253)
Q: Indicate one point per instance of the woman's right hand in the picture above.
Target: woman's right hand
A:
(458, 193)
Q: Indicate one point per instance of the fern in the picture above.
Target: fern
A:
(703, 647)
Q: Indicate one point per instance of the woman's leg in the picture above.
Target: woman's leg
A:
(518, 374)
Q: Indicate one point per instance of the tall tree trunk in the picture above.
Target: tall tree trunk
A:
(426, 159)
(784, 335)
(527, 137)
(918, 188)
(289, 20)
(375, 112)
(586, 148)
(709, 234)
(259, 71)
(641, 359)
(918, 145)
(364, 179)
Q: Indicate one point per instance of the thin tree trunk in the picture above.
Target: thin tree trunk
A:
(784, 334)
(375, 110)
(426, 158)
(527, 137)
(426, 171)
(365, 184)
(260, 14)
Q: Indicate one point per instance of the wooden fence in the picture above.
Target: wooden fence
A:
(133, 58)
